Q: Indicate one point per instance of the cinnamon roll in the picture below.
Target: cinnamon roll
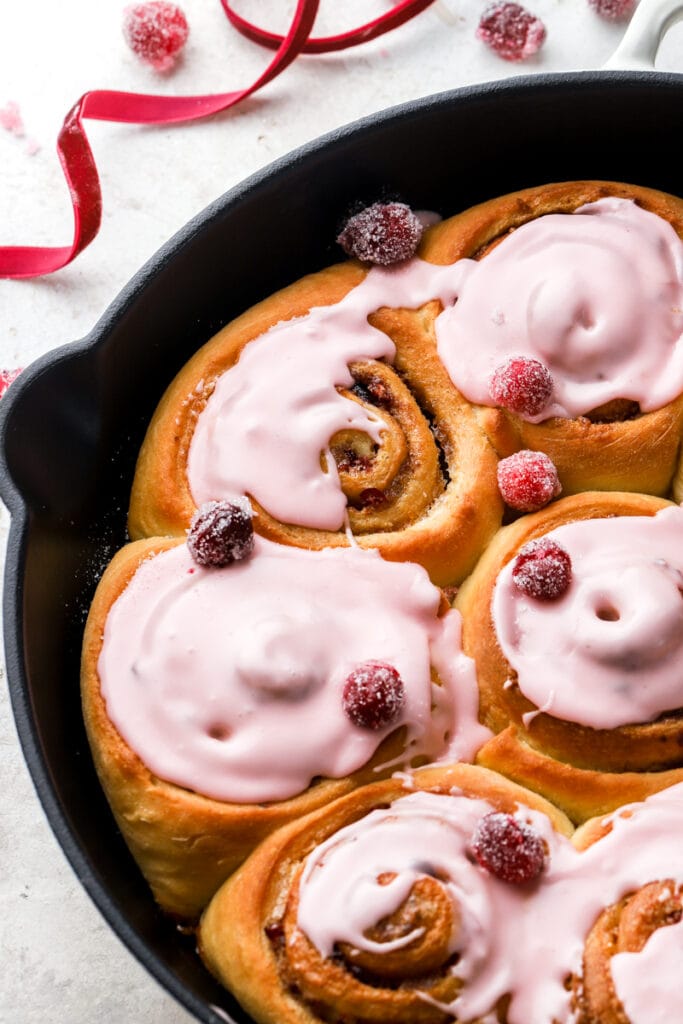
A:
(574, 618)
(632, 953)
(328, 406)
(224, 700)
(584, 280)
(389, 906)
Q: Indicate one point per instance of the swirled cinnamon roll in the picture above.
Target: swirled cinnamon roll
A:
(632, 953)
(389, 905)
(329, 410)
(567, 332)
(574, 617)
(223, 701)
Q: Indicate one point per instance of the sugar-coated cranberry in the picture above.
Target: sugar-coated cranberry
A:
(511, 31)
(156, 31)
(6, 378)
(528, 480)
(521, 385)
(613, 10)
(542, 569)
(510, 849)
(371, 497)
(221, 532)
(383, 233)
(373, 695)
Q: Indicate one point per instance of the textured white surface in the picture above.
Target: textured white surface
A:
(60, 961)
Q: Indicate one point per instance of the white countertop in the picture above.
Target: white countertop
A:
(60, 961)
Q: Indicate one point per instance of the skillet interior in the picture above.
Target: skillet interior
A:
(71, 426)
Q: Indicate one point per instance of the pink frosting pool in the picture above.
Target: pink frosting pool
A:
(609, 652)
(229, 681)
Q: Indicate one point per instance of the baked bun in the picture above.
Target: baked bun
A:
(328, 406)
(376, 908)
(628, 971)
(581, 682)
(221, 702)
(586, 295)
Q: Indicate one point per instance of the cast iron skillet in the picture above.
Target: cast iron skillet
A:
(71, 426)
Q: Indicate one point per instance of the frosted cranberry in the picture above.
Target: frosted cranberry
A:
(542, 570)
(6, 378)
(221, 532)
(383, 233)
(521, 385)
(613, 10)
(511, 31)
(156, 31)
(371, 497)
(510, 849)
(373, 695)
(528, 480)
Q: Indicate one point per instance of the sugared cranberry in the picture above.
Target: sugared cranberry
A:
(373, 695)
(542, 570)
(6, 378)
(613, 10)
(156, 31)
(221, 532)
(510, 849)
(521, 385)
(528, 480)
(511, 31)
(383, 233)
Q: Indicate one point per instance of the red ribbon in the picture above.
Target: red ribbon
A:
(75, 154)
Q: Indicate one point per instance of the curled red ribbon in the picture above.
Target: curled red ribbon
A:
(75, 154)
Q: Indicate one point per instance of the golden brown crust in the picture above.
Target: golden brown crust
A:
(633, 454)
(580, 792)
(551, 745)
(284, 980)
(185, 844)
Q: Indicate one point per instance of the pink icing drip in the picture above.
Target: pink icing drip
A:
(647, 983)
(596, 296)
(272, 415)
(614, 640)
(523, 941)
(229, 681)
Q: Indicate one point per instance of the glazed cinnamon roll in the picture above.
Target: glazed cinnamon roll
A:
(567, 332)
(222, 701)
(398, 903)
(632, 953)
(574, 617)
(329, 408)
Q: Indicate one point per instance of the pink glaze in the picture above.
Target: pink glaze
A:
(266, 429)
(229, 681)
(596, 296)
(648, 983)
(609, 652)
(518, 940)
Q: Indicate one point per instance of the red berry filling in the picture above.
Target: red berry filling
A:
(221, 532)
(521, 385)
(511, 31)
(528, 480)
(156, 31)
(542, 570)
(373, 695)
(508, 848)
(6, 378)
(613, 10)
(383, 233)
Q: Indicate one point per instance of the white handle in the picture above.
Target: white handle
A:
(651, 20)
